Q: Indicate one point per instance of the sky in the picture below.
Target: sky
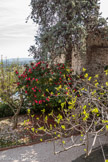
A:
(16, 36)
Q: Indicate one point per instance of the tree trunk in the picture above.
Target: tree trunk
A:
(15, 118)
(69, 56)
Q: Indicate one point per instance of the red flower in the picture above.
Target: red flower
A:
(29, 70)
(18, 83)
(24, 76)
(39, 62)
(36, 101)
(47, 99)
(40, 102)
(36, 80)
(75, 90)
(39, 90)
(25, 91)
(16, 72)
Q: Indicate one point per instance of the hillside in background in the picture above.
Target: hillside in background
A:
(20, 61)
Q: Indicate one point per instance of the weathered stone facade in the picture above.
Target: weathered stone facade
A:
(96, 56)
(97, 52)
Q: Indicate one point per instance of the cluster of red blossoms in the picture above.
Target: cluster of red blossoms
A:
(40, 80)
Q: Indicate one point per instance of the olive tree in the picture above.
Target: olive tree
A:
(62, 26)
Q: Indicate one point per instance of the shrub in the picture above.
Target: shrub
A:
(85, 114)
(41, 81)
(5, 111)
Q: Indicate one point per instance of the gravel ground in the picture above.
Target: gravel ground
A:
(43, 152)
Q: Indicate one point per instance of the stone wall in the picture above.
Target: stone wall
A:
(96, 56)
(97, 52)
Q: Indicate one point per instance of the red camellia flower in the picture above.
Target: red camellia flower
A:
(40, 102)
(36, 80)
(29, 70)
(25, 91)
(47, 99)
(39, 90)
(18, 83)
(24, 76)
(36, 101)
(75, 90)
(16, 72)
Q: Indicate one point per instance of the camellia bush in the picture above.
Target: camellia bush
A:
(83, 110)
(40, 83)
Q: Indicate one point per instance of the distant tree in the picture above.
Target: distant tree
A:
(8, 89)
(62, 25)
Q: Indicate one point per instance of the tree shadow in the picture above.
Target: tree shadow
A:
(95, 156)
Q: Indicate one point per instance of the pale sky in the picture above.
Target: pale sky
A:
(16, 36)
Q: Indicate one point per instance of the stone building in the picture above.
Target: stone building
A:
(97, 51)
(96, 56)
